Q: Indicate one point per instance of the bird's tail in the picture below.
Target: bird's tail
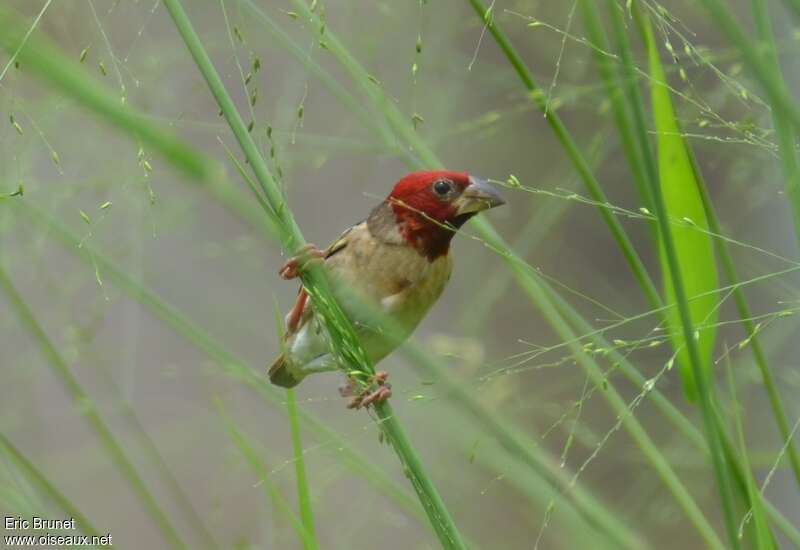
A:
(281, 375)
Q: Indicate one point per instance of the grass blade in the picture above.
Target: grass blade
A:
(694, 251)
(303, 496)
(695, 360)
(636, 150)
(252, 458)
(763, 534)
(306, 512)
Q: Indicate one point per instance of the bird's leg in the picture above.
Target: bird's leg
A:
(296, 264)
(296, 314)
(377, 390)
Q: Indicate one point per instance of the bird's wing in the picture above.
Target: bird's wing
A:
(341, 243)
(301, 311)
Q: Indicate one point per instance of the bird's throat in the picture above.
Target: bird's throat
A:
(397, 225)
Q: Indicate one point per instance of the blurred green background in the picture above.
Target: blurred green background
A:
(106, 224)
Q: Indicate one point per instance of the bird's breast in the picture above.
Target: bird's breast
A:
(393, 277)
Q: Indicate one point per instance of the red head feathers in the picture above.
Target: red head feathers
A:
(425, 209)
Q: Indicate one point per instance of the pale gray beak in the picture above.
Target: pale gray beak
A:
(478, 196)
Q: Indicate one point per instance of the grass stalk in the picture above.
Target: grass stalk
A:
(763, 535)
(89, 411)
(304, 498)
(346, 345)
(616, 91)
(250, 455)
(630, 83)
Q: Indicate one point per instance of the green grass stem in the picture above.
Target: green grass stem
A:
(304, 498)
(250, 455)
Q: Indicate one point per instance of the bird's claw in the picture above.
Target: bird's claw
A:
(376, 391)
(295, 265)
(378, 396)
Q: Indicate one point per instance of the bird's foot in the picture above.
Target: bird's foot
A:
(295, 265)
(377, 390)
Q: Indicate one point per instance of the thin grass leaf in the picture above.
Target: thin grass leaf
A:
(763, 534)
(255, 462)
(694, 250)
(671, 247)
(303, 496)
(633, 146)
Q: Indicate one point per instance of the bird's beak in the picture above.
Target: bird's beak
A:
(478, 196)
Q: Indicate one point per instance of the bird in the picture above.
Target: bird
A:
(396, 260)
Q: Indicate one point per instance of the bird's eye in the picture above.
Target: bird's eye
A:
(442, 187)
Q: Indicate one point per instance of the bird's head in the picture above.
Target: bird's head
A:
(429, 207)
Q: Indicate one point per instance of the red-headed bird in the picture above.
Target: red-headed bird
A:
(397, 261)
